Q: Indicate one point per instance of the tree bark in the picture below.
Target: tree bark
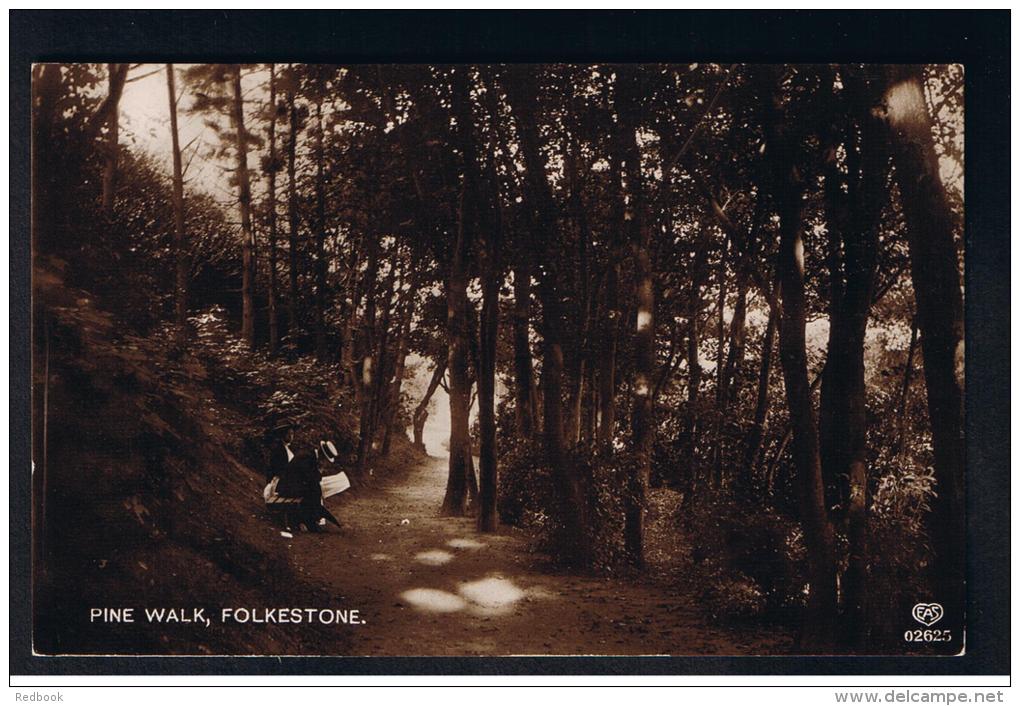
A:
(46, 90)
(638, 220)
(118, 76)
(454, 501)
(367, 370)
(524, 376)
(753, 447)
(543, 235)
(274, 323)
(935, 272)
(182, 267)
(458, 326)
(292, 216)
(487, 479)
(392, 407)
(244, 199)
(490, 266)
(819, 622)
(320, 238)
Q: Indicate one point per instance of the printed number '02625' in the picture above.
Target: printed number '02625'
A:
(928, 635)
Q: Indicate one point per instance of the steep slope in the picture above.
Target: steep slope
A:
(147, 483)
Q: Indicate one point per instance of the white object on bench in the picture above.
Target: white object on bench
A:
(331, 485)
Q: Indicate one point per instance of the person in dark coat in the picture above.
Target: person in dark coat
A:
(280, 453)
(302, 480)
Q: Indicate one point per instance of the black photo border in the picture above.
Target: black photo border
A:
(978, 39)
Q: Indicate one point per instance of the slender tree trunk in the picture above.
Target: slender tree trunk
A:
(491, 268)
(638, 219)
(244, 199)
(46, 90)
(368, 368)
(738, 339)
(610, 327)
(543, 232)
(454, 502)
(350, 314)
(524, 376)
(908, 376)
(378, 391)
(320, 239)
(457, 306)
(753, 448)
(292, 217)
(819, 622)
(274, 323)
(720, 368)
(935, 272)
(392, 407)
(487, 516)
(613, 319)
(695, 305)
(181, 280)
(118, 76)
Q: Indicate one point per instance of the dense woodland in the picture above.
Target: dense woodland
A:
(738, 284)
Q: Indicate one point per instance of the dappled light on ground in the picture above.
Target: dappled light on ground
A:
(434, 557)
(433, 600)
(493, 594)
(380, 557)
(465, 543)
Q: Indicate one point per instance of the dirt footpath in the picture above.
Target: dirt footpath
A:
(429, 585)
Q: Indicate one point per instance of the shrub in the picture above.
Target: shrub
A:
(747, 560)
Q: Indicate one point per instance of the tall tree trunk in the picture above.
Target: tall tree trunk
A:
(610, 327)
(118, 76)
(491, 268)
(392, 406)
(244, 199)
(274, 323)
(46, 90)
(737, 337)
(292, 216)
(578, 358)
(454, 501)
(320, 238)
(819, 622)
(935, 272)
(524, 376)
(489, 330)
(181, 279)
(543, 237)
(753, 448)
(853, 216)
(639, 220)
(457, 306)
(908, 377)
(695, 305)
(720, 368)
(368, 368)
(348, 343)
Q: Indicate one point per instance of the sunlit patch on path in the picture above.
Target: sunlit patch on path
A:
(465, 543)
(434, 557)
(492, 595)
(433, 600)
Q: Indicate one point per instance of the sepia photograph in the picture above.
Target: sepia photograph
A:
(498, 359)
(493, 358)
